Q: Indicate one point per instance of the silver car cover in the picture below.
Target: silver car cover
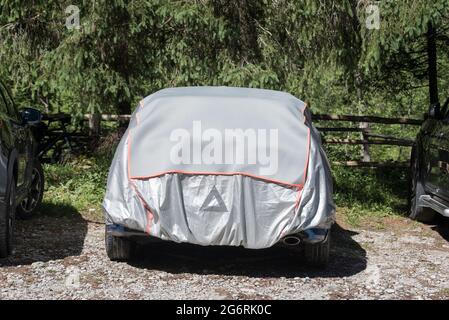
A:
(220, 166)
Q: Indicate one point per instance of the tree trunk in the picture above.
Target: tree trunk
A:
(123, 107)
(365, 149)
(432, 67)
(243, 16)
(248, 31)
(121, 63)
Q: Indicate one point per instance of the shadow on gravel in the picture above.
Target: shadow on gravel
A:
(442, 227)
(347, 258)
(55, 232)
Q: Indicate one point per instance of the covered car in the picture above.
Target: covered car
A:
(220, 166)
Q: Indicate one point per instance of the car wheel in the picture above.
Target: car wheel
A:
(317, 254)
(26, 208)
(7, 221)
(118, 248)
(416, 191)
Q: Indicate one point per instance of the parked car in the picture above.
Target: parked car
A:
(21, 176)
(430, 166)
(220, 166)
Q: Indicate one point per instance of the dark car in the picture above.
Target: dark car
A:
(21, 176)
(430, 166)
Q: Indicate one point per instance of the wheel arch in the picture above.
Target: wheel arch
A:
(8, 172)
(416, 155)
(13, 168)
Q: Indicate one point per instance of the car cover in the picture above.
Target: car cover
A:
(220, 166)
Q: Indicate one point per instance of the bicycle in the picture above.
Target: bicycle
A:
(55, 141)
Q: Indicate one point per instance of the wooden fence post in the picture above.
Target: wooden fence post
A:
(365, 147)
(94, 124)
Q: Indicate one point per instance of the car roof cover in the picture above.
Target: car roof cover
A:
(220, 131)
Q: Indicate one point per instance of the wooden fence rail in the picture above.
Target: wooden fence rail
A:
(369, 119)
(387, 142)
(373, 164)
(316, 117)
(110, 117)
(366, 137)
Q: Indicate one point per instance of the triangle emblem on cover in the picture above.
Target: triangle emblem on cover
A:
(214, 202)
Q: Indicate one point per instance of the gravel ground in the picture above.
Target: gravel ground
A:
(64, 258)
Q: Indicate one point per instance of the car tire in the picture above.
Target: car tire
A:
(118, 248)
(7, 221)
(27, 207)
(317, 254)
(416, 191)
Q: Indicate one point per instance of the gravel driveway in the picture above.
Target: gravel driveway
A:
(64, 258)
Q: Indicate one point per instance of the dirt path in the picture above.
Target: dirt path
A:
(64, 258)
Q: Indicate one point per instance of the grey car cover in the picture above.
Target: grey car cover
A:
(220, 166)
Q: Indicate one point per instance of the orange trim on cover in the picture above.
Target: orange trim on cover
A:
(215, 174)
(298, 200)
(150, 215)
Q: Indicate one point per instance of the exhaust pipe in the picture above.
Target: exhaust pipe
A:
(291, 240)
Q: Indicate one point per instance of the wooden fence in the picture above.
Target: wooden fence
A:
(367, 137)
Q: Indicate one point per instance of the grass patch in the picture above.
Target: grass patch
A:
(78, 186)
(444, 292)
(363, 192)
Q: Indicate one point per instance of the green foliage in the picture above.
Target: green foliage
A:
(396, 53)
(124, 50)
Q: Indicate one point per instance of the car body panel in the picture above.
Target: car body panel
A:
(433, 143)
(440, 176)
(17, 147)
(6, 143)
